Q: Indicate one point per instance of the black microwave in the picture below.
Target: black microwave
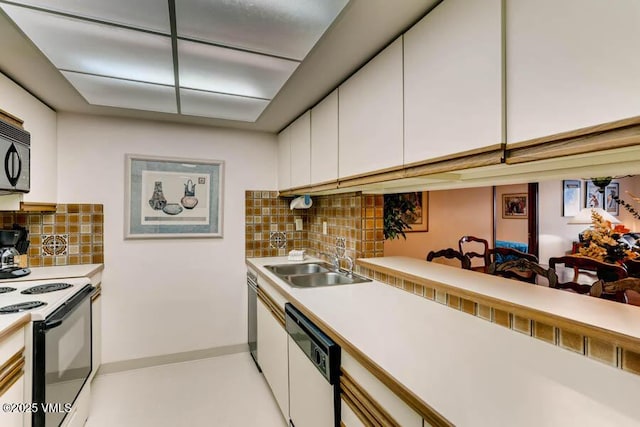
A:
(15, 158)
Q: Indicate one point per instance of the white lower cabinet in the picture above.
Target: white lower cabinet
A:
(13, 394)
(399, 412)
(272, 356)
(12, 383)
(96, 333)
(348, 417)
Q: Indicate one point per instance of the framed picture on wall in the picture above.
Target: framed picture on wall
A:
(172, 197)
(419, 219)
(515, 206)
(571, 197)
(593, 198)
(612, 190)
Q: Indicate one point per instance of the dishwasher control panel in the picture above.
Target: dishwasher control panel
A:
(321, 350)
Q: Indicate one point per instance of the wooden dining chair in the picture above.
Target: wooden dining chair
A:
(603, 270)
(450, 253)
(523, 269)
(499, 255)
(632, 297)
(633, 267)
(481, 251)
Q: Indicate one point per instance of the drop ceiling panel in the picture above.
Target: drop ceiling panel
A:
(231, 71)
(287, 28)
(124, 93)
(76, 45)
(207, 104)
(146, 14)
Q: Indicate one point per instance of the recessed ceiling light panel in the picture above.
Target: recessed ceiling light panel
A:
(76, 45)
(287, 28)
(207, 104)
(150, 15)
(123, 93)
(230, 71)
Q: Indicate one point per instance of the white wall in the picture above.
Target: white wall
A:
(555, 235)
(173, 295)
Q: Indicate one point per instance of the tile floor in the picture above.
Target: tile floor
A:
(224, 391)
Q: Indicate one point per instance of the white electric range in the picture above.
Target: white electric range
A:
(58, 345)
(49, 295)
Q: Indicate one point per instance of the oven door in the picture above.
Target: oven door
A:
(61, 358)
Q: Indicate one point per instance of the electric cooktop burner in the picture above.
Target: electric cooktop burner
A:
(5, 289)
(43, 289)
(23, 306)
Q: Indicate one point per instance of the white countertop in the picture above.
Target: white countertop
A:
(40, 274)
(600, 313)
(473, 372)
(58, 272)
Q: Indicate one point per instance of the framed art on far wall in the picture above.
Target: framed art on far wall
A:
(419, 219)
(610, 192)
(515, 206)
(172, 197)
(571, 197)
(593, 197)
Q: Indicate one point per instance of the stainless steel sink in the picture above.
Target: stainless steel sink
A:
(292, 269)
(324, 279)
(314, 274)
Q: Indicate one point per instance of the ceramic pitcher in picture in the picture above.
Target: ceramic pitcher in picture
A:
(157, 200)
(189, 201)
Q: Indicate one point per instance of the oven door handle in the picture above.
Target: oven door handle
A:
(66, 309)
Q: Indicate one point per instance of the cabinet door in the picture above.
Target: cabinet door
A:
(96, 334)
(41, 122)
(370, 112)
(272, 356)
(301, 151)
(14, 394)
(453, 80)
(395, 410)
(570, 64)
(324, 140)
(284, 159)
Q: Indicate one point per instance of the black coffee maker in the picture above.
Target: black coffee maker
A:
(10, 243)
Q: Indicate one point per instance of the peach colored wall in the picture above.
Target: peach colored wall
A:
(452, 214)
(510, 229)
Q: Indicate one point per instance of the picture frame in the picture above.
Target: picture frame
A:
(571, 191)
(515, 206)
(168, 197)
(419, 220)
(593, 197)
(610, 205)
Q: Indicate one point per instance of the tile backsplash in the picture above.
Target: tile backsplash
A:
(355, 217)
(71, 235)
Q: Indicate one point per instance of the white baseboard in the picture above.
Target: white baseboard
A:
(164, 359)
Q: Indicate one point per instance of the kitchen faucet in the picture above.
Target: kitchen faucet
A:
(335, 261)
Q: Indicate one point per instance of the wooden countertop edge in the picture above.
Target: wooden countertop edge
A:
(626, 341)
(429, 414)
(18, 324)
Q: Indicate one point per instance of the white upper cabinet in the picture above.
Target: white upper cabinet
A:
(41, 122)
(570, 64)
(300, 135)
(370, 115)
(453, 80)
(324, 140)
(284, 159)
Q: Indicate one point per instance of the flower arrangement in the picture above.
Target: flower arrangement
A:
(602, 242)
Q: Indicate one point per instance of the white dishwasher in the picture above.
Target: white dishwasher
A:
(314, 373)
